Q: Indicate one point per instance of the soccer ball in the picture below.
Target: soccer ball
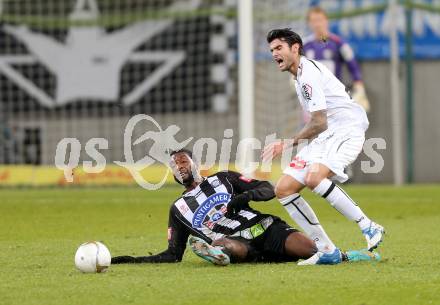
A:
(92, 257)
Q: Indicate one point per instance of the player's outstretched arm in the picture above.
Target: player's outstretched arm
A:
(316, 125)
(358, 91)
(177, 237)
(163, 257)
(347, 54)
(246, 190)
(258, 190)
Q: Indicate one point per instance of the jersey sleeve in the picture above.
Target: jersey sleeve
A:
(177, 234)
(347, 55)
(312, 88)
(258, 190)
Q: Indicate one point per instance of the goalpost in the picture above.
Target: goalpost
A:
(246, 118)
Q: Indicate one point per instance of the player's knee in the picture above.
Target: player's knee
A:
(299, 245)
(220, 242)
(312, 180)
(282, 190)
(237, 251)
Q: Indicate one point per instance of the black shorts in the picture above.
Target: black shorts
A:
(270, 246)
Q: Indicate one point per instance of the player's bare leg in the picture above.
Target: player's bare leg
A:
(236, 250)
(317, 180)
(299, 245)
(287, 191)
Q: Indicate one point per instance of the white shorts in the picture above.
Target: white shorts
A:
(336, 149)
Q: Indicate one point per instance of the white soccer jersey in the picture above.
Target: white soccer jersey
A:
(318, 89)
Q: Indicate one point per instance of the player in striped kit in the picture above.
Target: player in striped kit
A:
(215, 211)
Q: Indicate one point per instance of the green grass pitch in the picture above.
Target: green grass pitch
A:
(41, 229)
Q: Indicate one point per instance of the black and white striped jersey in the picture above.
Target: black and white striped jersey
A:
(201, 211)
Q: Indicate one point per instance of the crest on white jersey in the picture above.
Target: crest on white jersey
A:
(306, 91)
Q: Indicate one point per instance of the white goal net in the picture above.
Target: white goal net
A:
(82, 68)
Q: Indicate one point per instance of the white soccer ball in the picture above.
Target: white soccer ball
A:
(92, 257)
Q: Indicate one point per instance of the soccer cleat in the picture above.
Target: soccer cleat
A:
(362, 255)
(321, 258)
(212, 254)
(374, 235)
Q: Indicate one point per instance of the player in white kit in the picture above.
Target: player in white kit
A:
(336, 134)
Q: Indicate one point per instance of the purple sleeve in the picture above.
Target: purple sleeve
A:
(348, 57)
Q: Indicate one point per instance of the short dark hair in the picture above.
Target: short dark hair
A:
(316, 10)
(183, 150)
(188, 153)
(286, 35)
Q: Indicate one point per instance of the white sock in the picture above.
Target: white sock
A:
(342, 202)
(301, 212)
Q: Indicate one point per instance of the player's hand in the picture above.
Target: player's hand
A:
(360, 96)
(272, 151)
(238, 203)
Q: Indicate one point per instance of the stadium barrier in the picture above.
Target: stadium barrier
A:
(112, 175)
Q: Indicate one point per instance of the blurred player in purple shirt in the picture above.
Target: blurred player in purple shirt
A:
(332, 51)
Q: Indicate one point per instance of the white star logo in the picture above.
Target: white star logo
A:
(88, 64)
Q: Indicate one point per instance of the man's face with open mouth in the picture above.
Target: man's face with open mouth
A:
(282, 54)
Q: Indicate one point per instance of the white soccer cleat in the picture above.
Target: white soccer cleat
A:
(321, 258)
(374, 235)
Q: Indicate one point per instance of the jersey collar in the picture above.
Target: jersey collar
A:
(188, 193)
(300, 67)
